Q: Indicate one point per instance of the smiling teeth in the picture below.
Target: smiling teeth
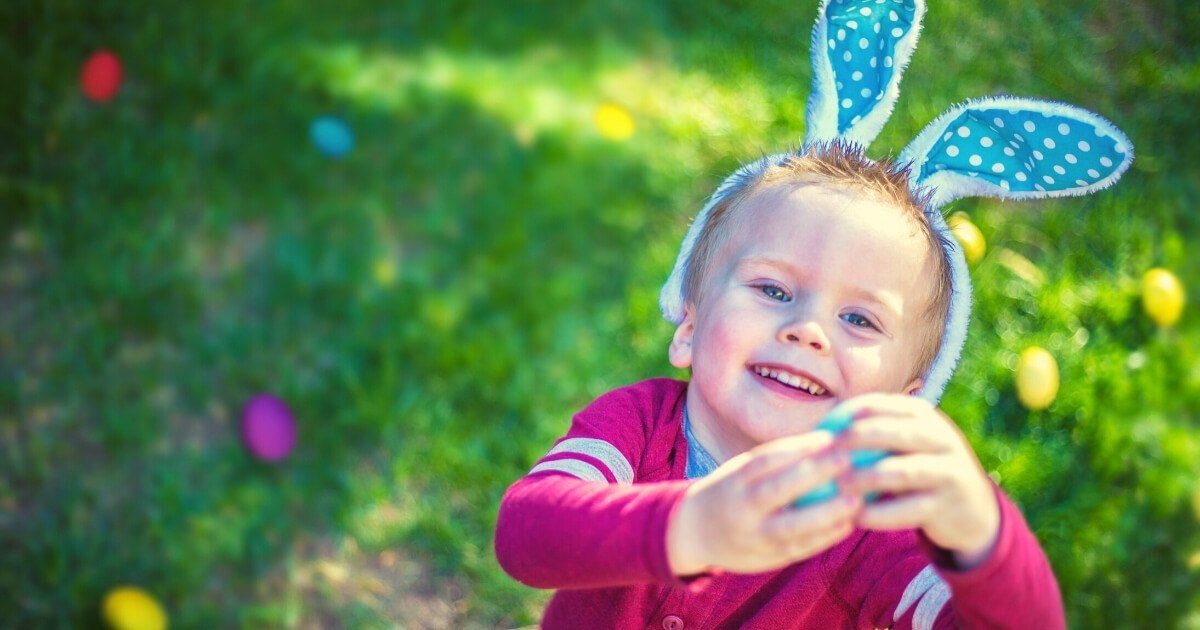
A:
(792, 380)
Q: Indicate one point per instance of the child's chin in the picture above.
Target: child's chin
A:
(796, 425)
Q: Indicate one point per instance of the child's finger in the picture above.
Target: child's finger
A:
(788, 484)
(900, 474)
(899, 424)
(816, 541)
(898, 435)
(770, 459)
(905, 512)
(815, 523)
(897, 405)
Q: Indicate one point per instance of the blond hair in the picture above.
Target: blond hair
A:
(835, 163)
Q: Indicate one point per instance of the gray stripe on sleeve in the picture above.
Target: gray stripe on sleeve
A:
(930, 605)
(919, 585)
(573, 467)
(601, 450)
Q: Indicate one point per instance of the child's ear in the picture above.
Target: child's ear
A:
(680, 351)
(915, 386)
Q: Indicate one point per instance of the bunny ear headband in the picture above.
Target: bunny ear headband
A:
(1004, 147)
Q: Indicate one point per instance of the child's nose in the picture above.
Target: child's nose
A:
(806, 330)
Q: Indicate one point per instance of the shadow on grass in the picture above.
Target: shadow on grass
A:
(196, 251)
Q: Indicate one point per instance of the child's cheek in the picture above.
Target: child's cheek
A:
(873, 369)
(862, 369)
(730, 341)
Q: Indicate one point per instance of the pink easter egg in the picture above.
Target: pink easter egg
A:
(101, 76)
(268, 428)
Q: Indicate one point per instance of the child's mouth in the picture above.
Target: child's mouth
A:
(794, 381)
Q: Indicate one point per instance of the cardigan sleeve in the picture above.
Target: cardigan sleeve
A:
(901, 580)
(1014, 587)
(578, 520)
(555, 531)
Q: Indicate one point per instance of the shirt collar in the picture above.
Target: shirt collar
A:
(699, 462)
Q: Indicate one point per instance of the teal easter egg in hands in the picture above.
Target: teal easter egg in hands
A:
(836, 421)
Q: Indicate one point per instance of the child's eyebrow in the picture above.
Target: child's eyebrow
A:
(755, 263)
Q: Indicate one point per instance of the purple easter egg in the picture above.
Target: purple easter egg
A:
(268, 428)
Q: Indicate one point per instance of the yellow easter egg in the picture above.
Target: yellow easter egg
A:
(614, 122)
(1037, 378)
(385, 272)
(131, 608)
(1162, 296)
(969, 236)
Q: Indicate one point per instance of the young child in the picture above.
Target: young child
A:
(815, 281)
(809, 280)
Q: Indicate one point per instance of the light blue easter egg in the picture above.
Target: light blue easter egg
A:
(332, 136)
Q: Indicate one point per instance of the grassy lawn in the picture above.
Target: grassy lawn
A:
(435, 305)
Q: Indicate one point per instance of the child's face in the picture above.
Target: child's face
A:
(824, 287)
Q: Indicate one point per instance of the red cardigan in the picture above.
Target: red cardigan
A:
(590, 519)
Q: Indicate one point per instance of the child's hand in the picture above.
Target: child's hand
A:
(739, 518)
(938, 483)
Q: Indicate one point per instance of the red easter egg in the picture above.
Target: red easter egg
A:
(268, 428)
(101, 76)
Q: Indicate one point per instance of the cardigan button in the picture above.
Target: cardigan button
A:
(672, 622)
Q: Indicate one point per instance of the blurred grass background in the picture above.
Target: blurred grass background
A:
(435, 305)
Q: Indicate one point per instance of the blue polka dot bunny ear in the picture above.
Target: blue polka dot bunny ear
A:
(860, 49)
(1017, 148)
(1009, 148)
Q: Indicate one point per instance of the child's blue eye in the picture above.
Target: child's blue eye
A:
(774, 292)
(854, 319)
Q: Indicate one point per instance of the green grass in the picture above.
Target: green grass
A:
(167, 255)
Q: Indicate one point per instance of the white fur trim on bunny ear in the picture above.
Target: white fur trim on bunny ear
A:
(954, 336)
(860, 49)
(671, 298)
(1017, 148)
